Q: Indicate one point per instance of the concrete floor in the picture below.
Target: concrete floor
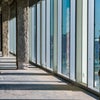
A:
(35, 83)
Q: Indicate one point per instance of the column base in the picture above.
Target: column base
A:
(23, 65)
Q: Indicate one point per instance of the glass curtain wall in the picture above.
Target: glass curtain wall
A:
(93, 44)
(44, 23)
(65, 36)
(12, 30)
(55, 45)
(97, 44)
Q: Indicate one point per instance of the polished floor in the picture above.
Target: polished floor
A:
(35, 83)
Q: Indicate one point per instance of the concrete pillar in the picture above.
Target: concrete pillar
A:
(22, 52)
(5, 17)
(0, 32)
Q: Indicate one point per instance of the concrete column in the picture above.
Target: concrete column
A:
(0, 32)
(22, 52)
(5, 17)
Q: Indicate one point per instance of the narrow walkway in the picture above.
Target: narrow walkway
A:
(35, 83)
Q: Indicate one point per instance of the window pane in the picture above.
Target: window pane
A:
(97, 44)
(14, 37)
(12, 30)
(33, 34)
(65, 36)
(51, 32)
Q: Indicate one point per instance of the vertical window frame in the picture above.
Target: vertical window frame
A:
(38, 33)
(42, 33)
(72, 39)
(47, 7)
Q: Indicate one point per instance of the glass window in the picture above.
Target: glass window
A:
(97, 44)
(10, 36)
(33, 34)
(65, 36)
(12, 30)
(51, 32)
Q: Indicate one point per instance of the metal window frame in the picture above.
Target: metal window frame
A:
(38, 33)
(90, 42)
(72, 39)
(47, 25)
(55, 68)
(33, 34)
(59, 35)
(42, 4)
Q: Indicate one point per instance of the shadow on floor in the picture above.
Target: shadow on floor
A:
(37, 87)
(25, 85)
(43, 87)
(25, 74)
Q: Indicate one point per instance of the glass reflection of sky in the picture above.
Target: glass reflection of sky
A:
(65, 36)
(52, 16)
(66, 5)
(97, 18)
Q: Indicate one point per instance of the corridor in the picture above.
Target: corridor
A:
(35, 83)
(61, 36)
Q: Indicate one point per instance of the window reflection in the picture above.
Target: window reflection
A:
(12, 30)
(65, 36)
(97, 44)
(51, 31)
(33, 34)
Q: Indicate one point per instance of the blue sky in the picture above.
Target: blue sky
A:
(97, 18)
